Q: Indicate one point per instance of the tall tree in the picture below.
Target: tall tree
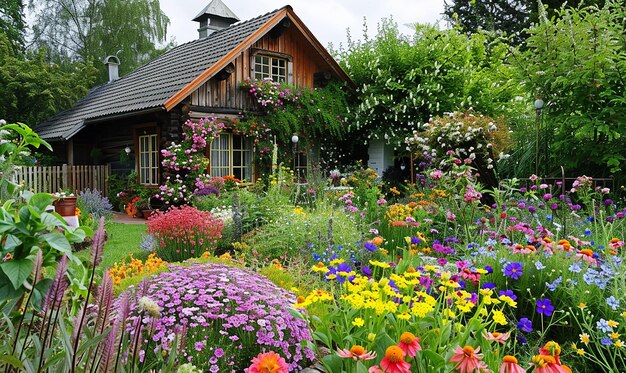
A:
(576, 63)
(12, 22)
(89, 30)
(512, 17)
(33, 90)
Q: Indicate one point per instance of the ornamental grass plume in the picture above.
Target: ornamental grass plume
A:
(269, 362)
(468, 360)
(184, 232)
(393, 362)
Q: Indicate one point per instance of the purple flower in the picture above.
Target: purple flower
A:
(508, 293)
(513, 270)
(367, 271)
(370, 246)
(525, 325)
(544, 307)
(532, 209)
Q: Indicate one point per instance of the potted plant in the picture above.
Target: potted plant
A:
(65, 203)
(143, 206)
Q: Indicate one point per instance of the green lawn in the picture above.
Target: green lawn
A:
(123, 239)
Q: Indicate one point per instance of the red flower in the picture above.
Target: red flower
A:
(269, 362)
(468, 360)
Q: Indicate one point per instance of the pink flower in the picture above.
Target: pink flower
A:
(495, 336)
(269, 362)
(409, 344)
(357, 353)
(468, 360)
(509, 365)
(393, 362)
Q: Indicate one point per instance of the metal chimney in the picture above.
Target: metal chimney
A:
(215, 16)
(113, 63)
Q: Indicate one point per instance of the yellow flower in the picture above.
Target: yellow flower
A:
(582, 306)
(377, 263)
(371, 337)
(404, 316)
(580, 351)
(614, 335)
(612, 323)
(499, 318)
(584, 338)
(320, 268)
(508, 300)
(359, 322)
(618, 344)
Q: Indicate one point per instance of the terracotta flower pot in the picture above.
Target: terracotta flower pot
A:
(65, 206)
(147, 213)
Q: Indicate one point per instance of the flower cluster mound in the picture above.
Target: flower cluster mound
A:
(223, 316)
(184, 232)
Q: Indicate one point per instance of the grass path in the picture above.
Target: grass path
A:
(123, 239)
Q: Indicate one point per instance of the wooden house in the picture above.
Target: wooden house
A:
(142, 112)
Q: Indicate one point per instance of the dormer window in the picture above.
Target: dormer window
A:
(274, 68)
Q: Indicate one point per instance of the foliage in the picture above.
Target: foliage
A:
(230, 315)
(316, 115)
(33, 90)
(87, 31)
(575, 63)
(16, 143)
(12, 22)
(403, 81)
(28, 231)
(510, 17)
(185, 162)
(184, 232)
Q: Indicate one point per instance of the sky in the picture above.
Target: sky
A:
(327, 19)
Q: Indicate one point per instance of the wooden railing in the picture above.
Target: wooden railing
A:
(52, 179)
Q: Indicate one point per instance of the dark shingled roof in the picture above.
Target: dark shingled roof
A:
(152, 84)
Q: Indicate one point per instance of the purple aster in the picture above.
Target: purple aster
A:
(544, 307)
(508, 293)
(513, 270)
(367, 271)
(525, 325)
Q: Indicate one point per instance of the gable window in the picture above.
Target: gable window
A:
(148, 160)
(231, 154)
(271, 67)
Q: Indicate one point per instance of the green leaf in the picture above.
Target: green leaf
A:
(333, 363)
(12, 361)
(436, 361)
(57, 241)
(17, 270)
(11, 242)
(40, 201)
(7, 291)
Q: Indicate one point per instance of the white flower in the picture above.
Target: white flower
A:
(149, 306)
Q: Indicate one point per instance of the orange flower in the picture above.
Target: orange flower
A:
(393, 362)
(587, 252)
(409, 344)
(509, 365)
(269, 362)
(357, 353)
(468, 360)
(378, 240)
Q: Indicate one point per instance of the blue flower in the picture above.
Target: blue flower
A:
(604, 326)
(488, 269)
(370, 246)
(606, 341)
(508, 293)
(513, 270)
(576, 267)
(554, 284)
(587, 232)
(525, 325)
(612, 302)
(539, 265)
(488, 285)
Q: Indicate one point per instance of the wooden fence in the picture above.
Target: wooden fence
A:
(52, 179)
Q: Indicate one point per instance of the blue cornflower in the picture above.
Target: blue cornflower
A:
(539, 265)
(554, 284)
(587, 232)
(606, 341)
(576, 267)
(604, 326)
(612, 302)
(488, 285)
(488, 269)
(525, 325)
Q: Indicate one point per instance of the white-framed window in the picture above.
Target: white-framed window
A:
(231, 154)
(271, 67)
(148, 160)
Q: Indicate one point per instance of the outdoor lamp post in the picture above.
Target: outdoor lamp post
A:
(127, 149)
(538, 106)
(294, 140)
